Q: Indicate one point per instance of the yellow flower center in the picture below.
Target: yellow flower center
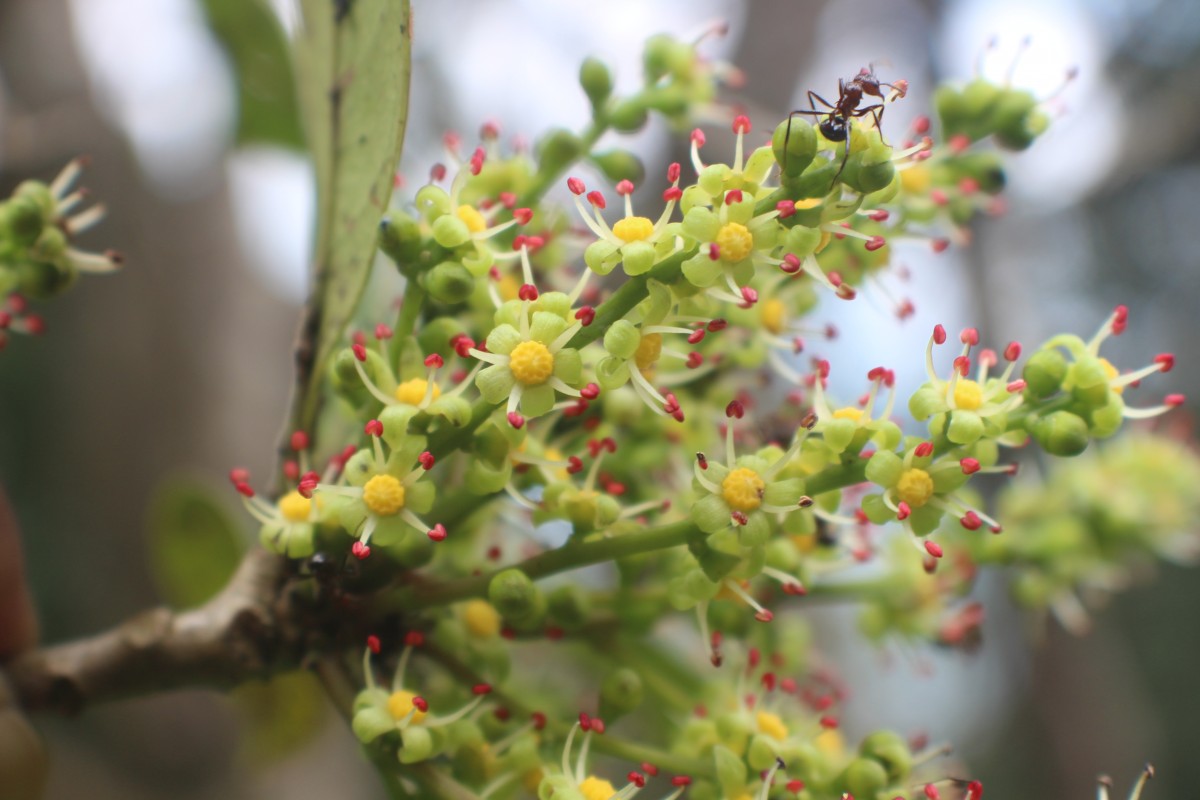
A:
(412, 392)
(915, 180)
(531, 363)
(773, 316)
(295, 507)
(472, 219)
(648, 351)
(829, 742)
(734, 241)
(742, 489)
(968, 395)
(633, 229)
(594, 788)
(1111, 372)
(384, 495)
(771, 725)
(848, 412)
(400, 703)
(481, 619)
(915, 487)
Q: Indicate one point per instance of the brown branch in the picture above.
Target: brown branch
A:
(252, 629)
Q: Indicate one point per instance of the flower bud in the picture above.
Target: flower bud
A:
(21, 221)
(870, 170)
(662, 55)
(449, 282)
(890, 750)
(1088, 380)
(620, 693)
(417, 745)
(513, 594)
(1044, 373)
(1106, 420)
(800, 149)
(41, 280)
(813, 182)
(1061, 433)
(863, 777)
(628, 116)
(620, 165)
(558, 150)
(762, 753)
(450, 232)
(435, 336)
(965, 427)
(596, 80)
(1017, 119)
(569, 606)
(400, 237)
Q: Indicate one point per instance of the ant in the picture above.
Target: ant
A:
(836, 125)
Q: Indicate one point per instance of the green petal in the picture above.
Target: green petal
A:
(546, 327)
(756, 531)
(418, 497)
(710, 513)
(568, 366)
(454, 410)
(371, 723)
(701, 224)
(598, 256)
(965, 427)
(783, 493)
(639, 257)
(702, 271)
(495, 383)
(503, 339)
(537, 400)
(742, 212)
(884, 468)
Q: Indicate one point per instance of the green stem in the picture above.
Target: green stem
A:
(623, 300)
(546, 178)
(406, 318)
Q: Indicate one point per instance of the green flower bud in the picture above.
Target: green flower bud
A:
(558, 150)
(417, 745)
(731, 771)
(813, 182)
(1106, 420)
(863, 777)
(890, 750)
(514, 595)
(1044, 373)
(400, 238)
(965, 427)
(620, 165)
(1088, 380)
(1061, 433)
(450, 232)
(663, 55)
(869, 171)
(596, 80)
(950, 108)
(628, 116)
(569, 606)
(620, 693)
(622, 339)
(449, 282)
(434, 337)
(22, 219)
(1011, 115)
(762, 752)
(801, 145)
(41, 280)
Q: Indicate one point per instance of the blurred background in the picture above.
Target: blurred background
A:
(178, 367)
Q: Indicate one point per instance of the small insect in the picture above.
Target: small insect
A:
(836, 125)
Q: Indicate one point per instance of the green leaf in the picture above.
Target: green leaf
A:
(281, 715)
(194, 543)
(353, 60)
(255, 42)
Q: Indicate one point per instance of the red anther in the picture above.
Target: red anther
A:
(585, 722)
(735, 409)
(590, 392)
(750, 296)
(921, 125)
(373, 644)
(795, 786)
(696, 336)
(414, 639)
(625, 187)
(987, 358)
(360, 352)
(244, 489)
(299, 441)
(586, 315)
(574, 465)
(434, 361)
(508, 199)
(768, 681)
(974, 790)
(502, 714)
(239, 475)
(598, 726)
(1013, 351)
(615, 488)
(341, 458)
(829, 722)
(1165, 361)
(554, 633)
(968, 185)
(1174, 400)
(969, 336)
(876, 374)
(527, 292)
(821, 367)
(437, 173)
(420, 704)
(786, 208)
(835, 278)
(702, 460)
(516, 420)
(698, 137)
(481, 688)
(939, 245)
(577, 409)
(741, 124)
(539, 720)
(790, 264)
(383, 331)
(373, 428)
(637, 779)
(739, 517)
(714, 251)
(971, 521)
(879, 215)
(717, 324)
(489, 130)
(959, 142)
(939, 197)
(608, 443)
(805, 501)
(923, 450)
(933, 548)
(360, 550)
(426, 460)
(694, 359)
(969, 466)
(962, 365)
(523, 215)
(671, 194)
(291, 470)
(649, 769)
(1015, 386)
(5, 320)
(477, 159)
(681, 780)
(597, 200)
(875, 242)
(733, 196)
(932, 792)
(764, 616)
(1120, 320)
(576, 186)
(903, 511)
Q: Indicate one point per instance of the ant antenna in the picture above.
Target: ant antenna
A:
(1012, 68)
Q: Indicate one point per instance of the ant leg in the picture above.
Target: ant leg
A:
(877, 112)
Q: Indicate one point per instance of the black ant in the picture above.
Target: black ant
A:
(836, 125)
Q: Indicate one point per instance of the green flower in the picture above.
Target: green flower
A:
(732, 241)
(634, 242)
